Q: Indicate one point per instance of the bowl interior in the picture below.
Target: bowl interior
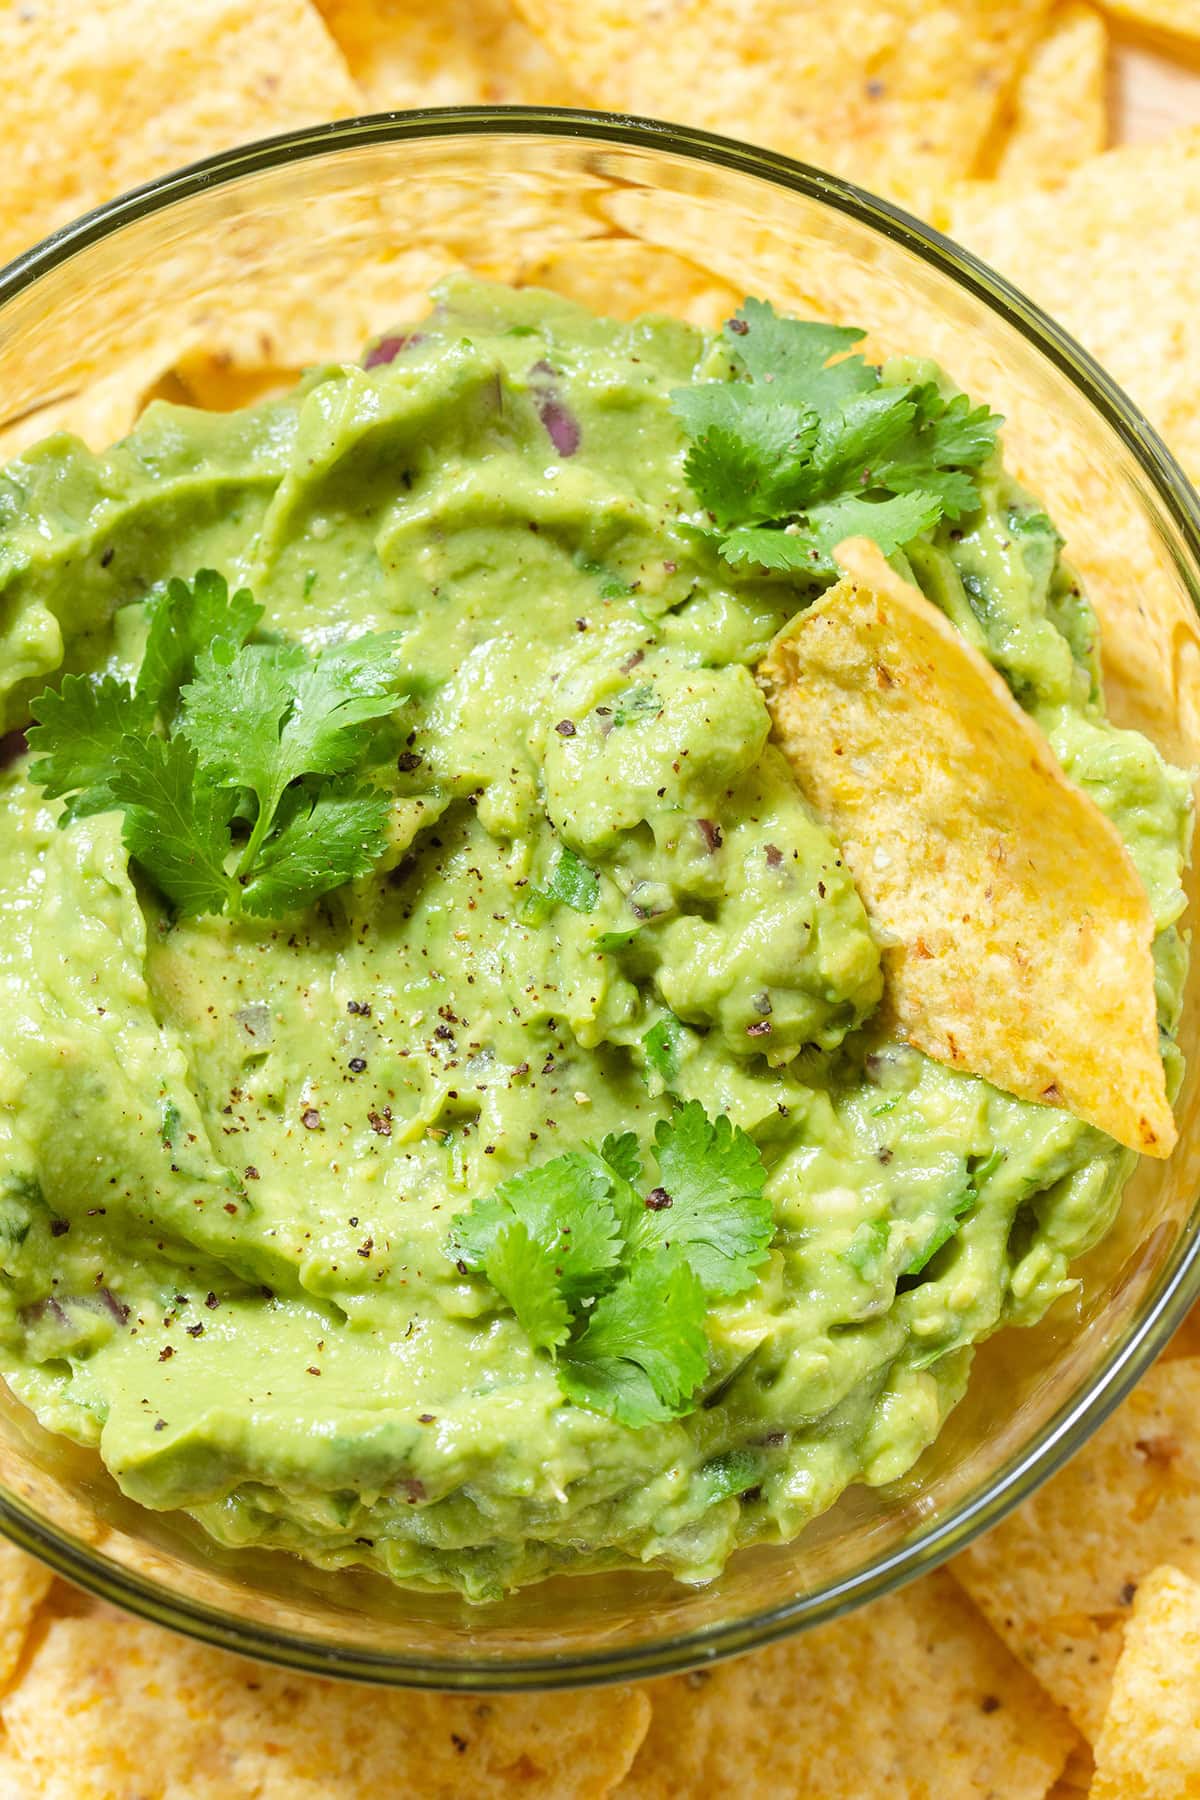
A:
(282, 257)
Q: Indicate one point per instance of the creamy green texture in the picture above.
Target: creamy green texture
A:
(230, 1153)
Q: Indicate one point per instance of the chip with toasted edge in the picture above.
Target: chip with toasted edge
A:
(1057, 1578)
(1058, 113)
(408, 53)
(165, 1715)
(24, 1584)
(1149, 1744)
(625, 278)
(912, 1695)
(1015, 932)
(895, 94)
(84, 120)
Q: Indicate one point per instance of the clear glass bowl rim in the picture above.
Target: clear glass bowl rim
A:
(1073, 1424)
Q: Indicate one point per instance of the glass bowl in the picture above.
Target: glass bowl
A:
(295, 250)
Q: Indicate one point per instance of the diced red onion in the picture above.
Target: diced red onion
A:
(386, 349)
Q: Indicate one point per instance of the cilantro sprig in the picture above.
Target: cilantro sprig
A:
(241, 768)
(809, 445)
(613, 1280)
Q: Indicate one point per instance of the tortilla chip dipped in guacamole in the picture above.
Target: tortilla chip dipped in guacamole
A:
(1016, 931)
(458, 1112)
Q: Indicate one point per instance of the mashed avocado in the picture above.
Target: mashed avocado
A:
(231, 1151)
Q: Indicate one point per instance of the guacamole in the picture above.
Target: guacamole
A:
(232, 1150)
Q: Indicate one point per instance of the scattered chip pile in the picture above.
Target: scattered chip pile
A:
(1060, 1655)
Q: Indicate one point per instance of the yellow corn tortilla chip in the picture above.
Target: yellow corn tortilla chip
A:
(913, 1695)
(24, 1584)
(622, 277)
(1015, 930)
(1059, 109)
(896, 94)
(1058, 1577)
(1149, 1744)
(221, 350)
(114, 92)
(1076, 1778)
(1180, 17)
(1186, 1341)
(110, 1708)
(105, 410)
(404, 53)
(1155, 88)
(1113, 252)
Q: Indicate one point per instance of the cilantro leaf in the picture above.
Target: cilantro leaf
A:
(662, 1045)
(175, 826)
(80, 730)
(808, 547)
(184, 623)
(564, 1206)
(795, 354)
(748, 446)
(808, 445)
(710, 1205)
(595, 1252)
(523, 1271)
(327, 839)
(233, 712)
(866, 1249)
(731, 1473)
(622, 1155)
(962, 1203)
(266, 734)
(644, 1352)
(265, 716)
(572, 883)
(635, 704)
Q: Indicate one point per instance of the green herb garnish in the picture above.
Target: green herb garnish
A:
(636, 704)
(615, 1283)
(963, 1203)
(801, 451)
(662, 1047)
(239, 767)
(572, 883)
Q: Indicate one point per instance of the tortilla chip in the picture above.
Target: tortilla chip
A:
(1076, 1778)
(1059, 108)
(117, 91)
(859, 1708)
(223, 348)
(111, 1708)
(623, 278)
(1015, 931)
(1057, 1578)
(403, 53)
(1113, 252)
(102, 411)
(1149, 1745)
(1186, 1341)
(1180, 17)
(24, 1584)
(897, 94)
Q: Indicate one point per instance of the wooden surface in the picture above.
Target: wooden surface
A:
(1154, 88)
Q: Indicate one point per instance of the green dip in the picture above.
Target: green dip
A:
(231, 1152)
